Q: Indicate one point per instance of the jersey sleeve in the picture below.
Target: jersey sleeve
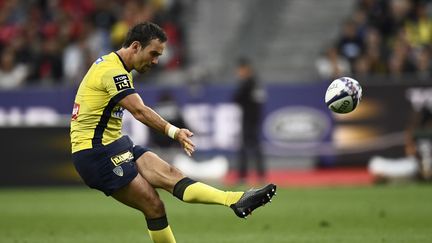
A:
(118, 83)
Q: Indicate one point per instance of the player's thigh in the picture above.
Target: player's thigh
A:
(140, 195)
(158, 172)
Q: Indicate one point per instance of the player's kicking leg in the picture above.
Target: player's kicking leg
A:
(162, 175)
(140, 195)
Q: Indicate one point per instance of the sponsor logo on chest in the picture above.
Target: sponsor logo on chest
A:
(122, 82)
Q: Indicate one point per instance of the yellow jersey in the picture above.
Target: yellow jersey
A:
(96, 116)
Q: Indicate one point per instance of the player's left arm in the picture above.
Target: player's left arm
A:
(135, 105)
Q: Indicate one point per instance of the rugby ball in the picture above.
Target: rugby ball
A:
(343, 95)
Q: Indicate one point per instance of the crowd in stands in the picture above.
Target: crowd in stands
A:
(46, 42)
(390, 38)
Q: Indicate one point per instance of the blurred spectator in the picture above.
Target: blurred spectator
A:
(104, 15)
(10, 14)
(360, 20)
(170, 17)
(12, 74)
(388, 37)
(332, 65)
(374, 51)
(74, 61)
(89, 44)
(419, 27)
(250, 96)
(399, 11)
(350, 44)
(58, 40)
(400, 60)
(134, 11)
(423, 63)
(48, 64)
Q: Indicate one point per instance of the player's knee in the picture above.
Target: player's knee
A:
(153, 208)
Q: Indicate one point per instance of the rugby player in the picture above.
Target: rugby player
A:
(111, 163)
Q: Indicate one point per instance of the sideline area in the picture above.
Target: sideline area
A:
(310, 178)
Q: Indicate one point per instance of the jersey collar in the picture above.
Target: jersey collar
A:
(121, 60)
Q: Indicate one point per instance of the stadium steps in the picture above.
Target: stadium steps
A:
(305, 28)
(284, 37)
(210, 26)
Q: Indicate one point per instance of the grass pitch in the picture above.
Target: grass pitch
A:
(366, 214)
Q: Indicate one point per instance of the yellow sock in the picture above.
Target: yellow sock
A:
(201, 193)
(159, 230)
(162, 236)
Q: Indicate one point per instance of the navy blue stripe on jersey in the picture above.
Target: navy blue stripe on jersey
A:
(121, 60)
(106, 115)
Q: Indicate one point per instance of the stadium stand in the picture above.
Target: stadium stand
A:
(388, 39)
(53, 42)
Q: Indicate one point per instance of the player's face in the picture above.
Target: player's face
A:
(149, 55)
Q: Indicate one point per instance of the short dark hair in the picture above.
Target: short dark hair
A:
(144, 33)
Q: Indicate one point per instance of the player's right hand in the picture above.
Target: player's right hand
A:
(183, 136)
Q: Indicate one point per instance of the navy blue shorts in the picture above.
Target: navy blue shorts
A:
(110, 167)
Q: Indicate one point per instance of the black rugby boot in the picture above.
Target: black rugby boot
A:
(253, 199)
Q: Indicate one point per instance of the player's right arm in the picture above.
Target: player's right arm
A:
(135, 105)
